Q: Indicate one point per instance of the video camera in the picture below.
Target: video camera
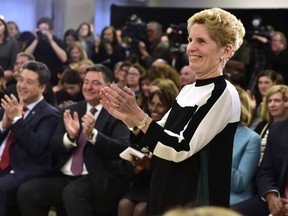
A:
(133, 31)
(259, 29)
(175, 34)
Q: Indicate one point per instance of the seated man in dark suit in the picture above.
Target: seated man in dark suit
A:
(271, 177)
(25, 133)
(102, 178)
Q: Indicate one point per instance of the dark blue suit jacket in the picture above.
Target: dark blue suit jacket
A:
(273, 170)
(29, 152)
(102, 160)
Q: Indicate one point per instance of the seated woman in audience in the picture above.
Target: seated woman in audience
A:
(116, 70)
(246, 154)
(164, 83)
(144, 84)
(86, 37)
(122, 75)
(109, 51)
(164, 71)
(83, 65)
(76, 54)
(70, 36)
(133, 76)
(72, 89)
(264, 81)
(273, 109)
(134, 203)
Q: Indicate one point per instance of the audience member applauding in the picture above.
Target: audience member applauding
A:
(89, 174)
(26, 127)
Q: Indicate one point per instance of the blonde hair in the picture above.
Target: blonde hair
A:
(246, 113)
(86, 61)
(166, 85)
(224, 27)
(164, 71)
(264, 113)
(79, 46)
(202, 211)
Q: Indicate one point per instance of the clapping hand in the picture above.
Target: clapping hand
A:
(88, 122)
(120, 103)
(12, 108)
(71, 123)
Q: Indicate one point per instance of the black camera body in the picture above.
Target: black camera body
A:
(133, 31)
(41, 34)
(176, 35)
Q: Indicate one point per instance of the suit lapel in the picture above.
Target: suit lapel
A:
(80, 109)
(102, 117)
(36, 110)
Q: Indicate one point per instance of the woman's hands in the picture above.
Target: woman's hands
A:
(142, 164)
(121, 104)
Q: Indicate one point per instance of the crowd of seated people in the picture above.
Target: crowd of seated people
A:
(79, 64)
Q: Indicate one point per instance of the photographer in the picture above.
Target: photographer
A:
(47, 48)
(157, 48)
(177, 40)
(276, 54)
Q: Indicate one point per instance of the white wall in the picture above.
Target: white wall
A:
(25, 12)
(71, 13)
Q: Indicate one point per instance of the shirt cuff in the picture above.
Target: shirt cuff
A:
(16, 118)
(93, 136)
(67, 142)
(262, 197)
(1, 128)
